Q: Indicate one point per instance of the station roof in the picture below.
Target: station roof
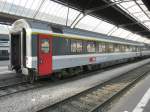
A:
(110, 17)
(147, 3)
(109, 11)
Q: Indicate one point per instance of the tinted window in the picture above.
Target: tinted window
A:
(76, 46)
(91, 47)
(101, 47)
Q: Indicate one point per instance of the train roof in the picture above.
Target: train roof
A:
(46, 27)
(95, 34)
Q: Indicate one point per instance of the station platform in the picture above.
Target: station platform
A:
(137, 99)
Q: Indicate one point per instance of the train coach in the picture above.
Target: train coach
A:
(39, 49)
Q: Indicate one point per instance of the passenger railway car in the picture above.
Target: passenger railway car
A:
(40, 49)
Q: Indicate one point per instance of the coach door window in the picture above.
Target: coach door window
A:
(45, 46)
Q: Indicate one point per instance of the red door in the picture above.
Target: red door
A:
(44, 55)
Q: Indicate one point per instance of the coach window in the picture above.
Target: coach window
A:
(91, 47)
(133, 49)
(130, 48)
(127, 48)
(79, 46)
(45, 46)
(116, 48)
(120, 48)
(100, 49)
(73, 46)
(144, 48)
(110, 47)
(138, 49)
(103, 47)
(76, 46)
(123, 48)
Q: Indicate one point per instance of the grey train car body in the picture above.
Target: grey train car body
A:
(69, 47)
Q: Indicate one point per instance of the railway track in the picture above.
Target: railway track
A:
(17, 87)
(10, 80)
(16, 84)
(94, 99)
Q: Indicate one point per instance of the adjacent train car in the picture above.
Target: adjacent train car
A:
(4, 47)
(40, 49)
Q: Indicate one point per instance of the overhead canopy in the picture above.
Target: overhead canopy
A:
(109, 11)
(106, 17)
(147, 3)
